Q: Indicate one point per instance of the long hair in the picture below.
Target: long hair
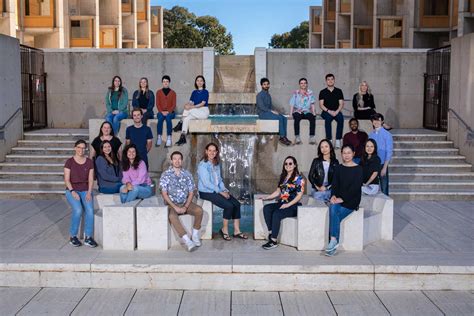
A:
(365, 156)
(112, 87)
(206, 159)
(111, 129)
(113, 156)
(147, 88)
(332, 154)
(284, 173)
(195, 84)
(360, 96)
(126, 162)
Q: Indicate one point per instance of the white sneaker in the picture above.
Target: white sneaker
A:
(338, 143)
(297, 140)
(168, 142)
(196, 240)
(158, 141)
(189, 244)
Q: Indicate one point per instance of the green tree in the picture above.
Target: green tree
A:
(296, 38)
(182, 29)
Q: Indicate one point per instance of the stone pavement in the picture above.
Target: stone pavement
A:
(84, 301)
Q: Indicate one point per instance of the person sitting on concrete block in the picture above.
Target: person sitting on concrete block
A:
(322, 170)
(331, 102)
(165, 105)
(116, 102)
(212, 188)
(140, 135)
(346, 195)
(302, 108)
(106, 132)
(177, 188)
(144, 99)
(289, 192)
(108, 169)
(356, 138)
(136, 182)
(371, 167)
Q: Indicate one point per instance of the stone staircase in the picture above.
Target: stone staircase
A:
(34, 168)
(426, 166)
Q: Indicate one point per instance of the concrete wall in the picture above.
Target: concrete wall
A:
(395, 77)
(78, 79)
(10, 94)
(461, 94)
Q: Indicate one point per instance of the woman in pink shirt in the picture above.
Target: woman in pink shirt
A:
(136, 182)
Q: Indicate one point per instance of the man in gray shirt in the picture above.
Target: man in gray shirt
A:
(265, 112)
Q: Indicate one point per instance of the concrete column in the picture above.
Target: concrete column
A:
(260, 66)
(208, 67)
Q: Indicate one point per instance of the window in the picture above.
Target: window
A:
(436, 7)
(127, 6)
(364, 38)
(81, 33)
(39, 13)
(392, 28)
(155, 20)
(330, 10)
(345, 6)
(108, 38)
(141, 9)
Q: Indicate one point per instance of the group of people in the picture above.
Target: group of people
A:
(364, 167)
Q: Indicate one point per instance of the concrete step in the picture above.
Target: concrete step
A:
(423, 144)
(428, 160)
(29, 166)
(59, 136)
(431, 177)
(433, 194)
(430, 168)
(47, 143)
(429, 185)
(37, 158)
(425, 151)
(42, 151)
(32, 175)
(420, 137)
(31, 194)
(32, 184)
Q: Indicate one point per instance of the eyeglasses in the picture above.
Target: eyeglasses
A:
(288, 164)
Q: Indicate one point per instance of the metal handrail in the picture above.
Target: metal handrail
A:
(2, 127)
(461, 120)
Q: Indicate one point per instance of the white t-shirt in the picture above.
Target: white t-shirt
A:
(326, 171)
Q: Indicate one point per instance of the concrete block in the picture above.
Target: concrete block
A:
(119, 227)
(152, 224)
(289, 232)
(313, 225)
(267, 126)
(378, 218)
(352, 231)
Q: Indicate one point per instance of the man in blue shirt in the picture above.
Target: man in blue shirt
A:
(265, 112)
(384, 148)
(140, 135)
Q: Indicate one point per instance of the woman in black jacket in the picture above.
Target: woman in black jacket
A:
(322, 169)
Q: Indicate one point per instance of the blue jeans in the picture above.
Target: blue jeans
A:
(384, 183)
(77, 207)
(115, 119)
(169, 126)
(274, 215)
(282, 121)
(141, 191)
(321, 195)
(337, 213)
(111, 190)
(328, 118)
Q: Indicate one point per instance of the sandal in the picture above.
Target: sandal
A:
(241, 236)
(225, 236)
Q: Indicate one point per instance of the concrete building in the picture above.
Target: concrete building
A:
(83, 23)
(389, 23)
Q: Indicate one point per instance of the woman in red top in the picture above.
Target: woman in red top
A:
(79, 179)
(165, 103)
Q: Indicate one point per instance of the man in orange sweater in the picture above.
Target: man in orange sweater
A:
(165, 104)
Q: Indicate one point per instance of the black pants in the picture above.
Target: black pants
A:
(231, 206)
(297, 117)
(274, 215)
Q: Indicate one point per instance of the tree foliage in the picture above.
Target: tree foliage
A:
(183, 29)
(296, 38)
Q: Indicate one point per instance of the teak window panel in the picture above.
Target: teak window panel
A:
(39, 13)
(108, 38)
(345, 6)
(141, 9)
(126, 6)
(391, 33)
(155, 20)
(330, 10)
(82, 33)
(435, 13)
(364, 38)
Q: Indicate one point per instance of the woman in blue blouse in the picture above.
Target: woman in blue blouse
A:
(144, 99)
(211, 188)
(289, 192)
(196, 109)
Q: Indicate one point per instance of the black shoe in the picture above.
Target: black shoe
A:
(178, 127)
(89, 241)
(75, 242)
(181, 141)
(270, 245)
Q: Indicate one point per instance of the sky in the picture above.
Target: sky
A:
(251, 22)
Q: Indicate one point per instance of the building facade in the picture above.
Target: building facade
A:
(389, 23)
(83, 23)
